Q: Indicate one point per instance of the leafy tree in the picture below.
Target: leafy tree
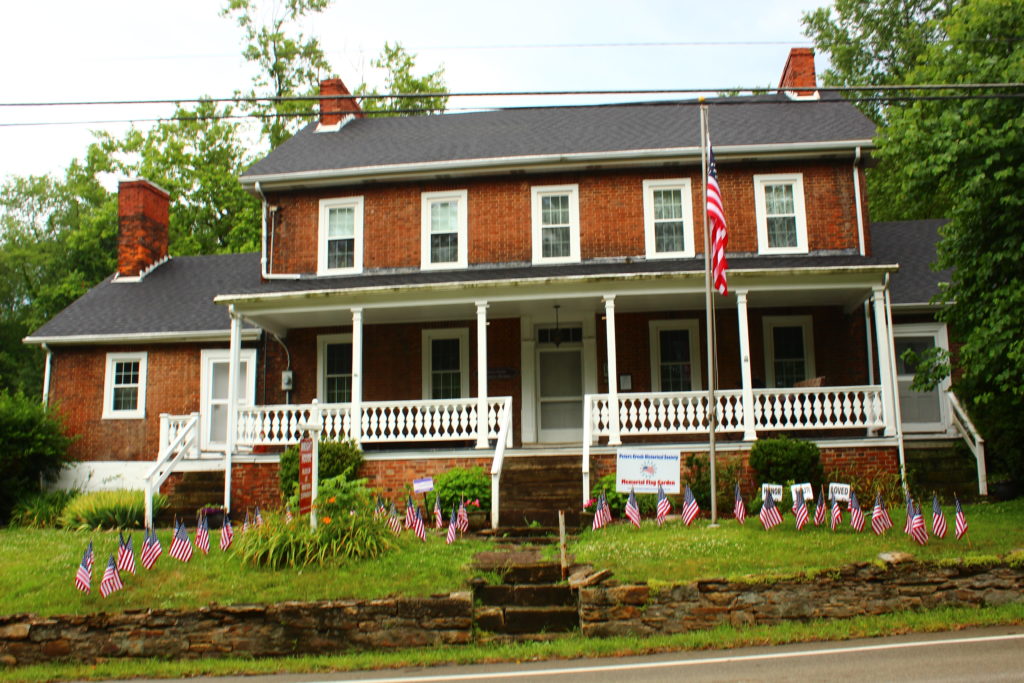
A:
(399, 65)
(33, 448)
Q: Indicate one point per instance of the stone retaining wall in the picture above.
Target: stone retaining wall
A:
(289, 628)
(855, 590)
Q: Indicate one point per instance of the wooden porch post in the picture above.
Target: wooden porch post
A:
(233, 362)
(356, 404)
(614, 439)
(884, 361)
(482, 426)
(749, 433)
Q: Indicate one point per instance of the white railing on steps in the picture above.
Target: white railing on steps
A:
(962, 423)
(504, 440)
(179, 438)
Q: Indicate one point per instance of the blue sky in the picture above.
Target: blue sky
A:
(63, 50)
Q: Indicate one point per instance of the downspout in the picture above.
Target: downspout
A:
(895, 383)
(46, 374)
(264, 268)
(856, 199)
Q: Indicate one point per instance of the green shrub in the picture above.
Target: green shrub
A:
(42, 510)
(335, 458)
(33, 448)
(460, 483)
(784, 460)
(119, 509)
(647, 502)
(699, 479)
(867, 483)
(347, 494)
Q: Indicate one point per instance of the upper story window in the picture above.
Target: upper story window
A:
(124, 386)
(556, 224)
(668, 218)
(340, 236)
(444, 230)
(781, 221)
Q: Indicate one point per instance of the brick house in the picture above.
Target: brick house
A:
(500, 287)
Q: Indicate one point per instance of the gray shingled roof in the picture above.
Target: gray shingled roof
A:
(177, 296)
(912, 244)
(370, 142)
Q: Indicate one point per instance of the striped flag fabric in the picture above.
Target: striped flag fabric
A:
(246, 524)
(606, 510)
(837, 514)
(598, 522)
(719, 233)
(910, 515)
(394, 523)
(203, 535)
(151, 549)
(111, 581)
(125, 554)
(463, 518)
(453, 526)
(800, 510)
(83, 577)
(92, 557)
(664, 505)
(227, 533)
(938, 519)
(379, 510)
(856, 514)
(690, 507)
(288, 516)
(770, 515)
(819, 508)
(258, 518)
(739, 508)
(181, 546)
(438, 516)
(633, 510)
(418, 527)
(880, 520)
(410, 512)
(918, 530)
(961, 519)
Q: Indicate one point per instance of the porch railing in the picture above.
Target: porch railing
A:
(182, 441)
(962, 423)
(849, 407)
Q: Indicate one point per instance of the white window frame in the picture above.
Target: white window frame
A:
(939, 332)
(538, 192)
(246, 359)
(761, 211)
(683, 185)
(769, 323)
(322, 341)
(142, 357)
(428, 199)
(656, 328)
(357, 247)
(427, 338)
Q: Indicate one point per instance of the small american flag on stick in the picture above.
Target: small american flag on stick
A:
(227, 534)
(800, 510)
(938, 519)
(111, 581)
(181, 546)
(633, 510)
(819, 508)
(203, 535)
(125, 554)
(453, 526)
(83, 577)
(770, 515)
(418, 527)
(880, 520)
(151, 549)
(664, 505)
(739, 508)
(690, 507)
(856, 514)
(961, 520)
(918, 530)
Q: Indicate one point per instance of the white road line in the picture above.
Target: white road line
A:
(494, 675)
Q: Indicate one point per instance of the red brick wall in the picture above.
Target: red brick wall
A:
(611, 214)
(254, 484)
(395, 477)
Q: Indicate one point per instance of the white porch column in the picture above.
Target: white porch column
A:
(232, 435)
(749, 433)
(356, 404)
(482, 426)
(614, 438)
(885, 352)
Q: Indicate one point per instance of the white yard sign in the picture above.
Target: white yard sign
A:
(840, 492)
(808, 492)
(776, 491)
(644, 471)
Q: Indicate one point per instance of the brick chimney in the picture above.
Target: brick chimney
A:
(332, 112)
(142, 215)
(799, 72)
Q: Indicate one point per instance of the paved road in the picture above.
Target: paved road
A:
(990, 654)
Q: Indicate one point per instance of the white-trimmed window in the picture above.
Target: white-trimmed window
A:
(124, 386)
(444, 242)
(781, 220)
(920, 411)
(340, 236)
(446, 363)
(334, 368)
(788, 349)
(556, 224)
(668, 218)
(675, 355)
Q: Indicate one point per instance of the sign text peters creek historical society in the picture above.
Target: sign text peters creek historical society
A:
(644, 471)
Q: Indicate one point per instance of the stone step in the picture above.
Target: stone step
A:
(526, 595)
(512, 515)
(551, 619)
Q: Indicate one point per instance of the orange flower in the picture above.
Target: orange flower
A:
(331, 499)
(327, 520)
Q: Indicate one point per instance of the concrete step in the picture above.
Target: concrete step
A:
(526, 595)
(549, 619)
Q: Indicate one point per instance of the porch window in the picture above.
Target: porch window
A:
(556, 224)
(444, 230)
(445, 363)
(668, 218)
(341, 236)
(789, 351)
(675, 362)
(781, 222)
(334, 368)
(124, 386)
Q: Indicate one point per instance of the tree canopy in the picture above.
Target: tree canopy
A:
(398, 65)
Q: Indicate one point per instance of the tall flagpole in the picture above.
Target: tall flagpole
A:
(709, 305)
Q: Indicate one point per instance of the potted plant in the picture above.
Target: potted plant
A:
(214, 514)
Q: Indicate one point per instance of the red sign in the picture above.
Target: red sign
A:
(305, 476)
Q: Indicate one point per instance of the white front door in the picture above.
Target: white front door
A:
(920, 411)
(213, 388)
(560, 385)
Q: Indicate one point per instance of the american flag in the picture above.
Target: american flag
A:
(880, 520)
(288, 516)
(819, 508)
(181, 546)
(606, 510)
(770, 515)
(379, 510)
(598, 514)
(633, 510)
(837, 514)
(800, 509)
(938, 519)
(463, 518)
(227, 534)
(83, 577)
(151, 549)
(739, 508)
(719, 234)
(246, 524)
(452, 527)
(410, 512)
(690, 507)
(918, 530)
(856, 514)
(111, 581)
(961, 519)
(258, 518)
(418, 527)
(438, 515)
(664, 506)
(910, 514)
(203, 535)
(394, 523)
(125, 554)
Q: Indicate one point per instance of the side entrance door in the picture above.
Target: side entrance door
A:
(213, 388)
(920, 411)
